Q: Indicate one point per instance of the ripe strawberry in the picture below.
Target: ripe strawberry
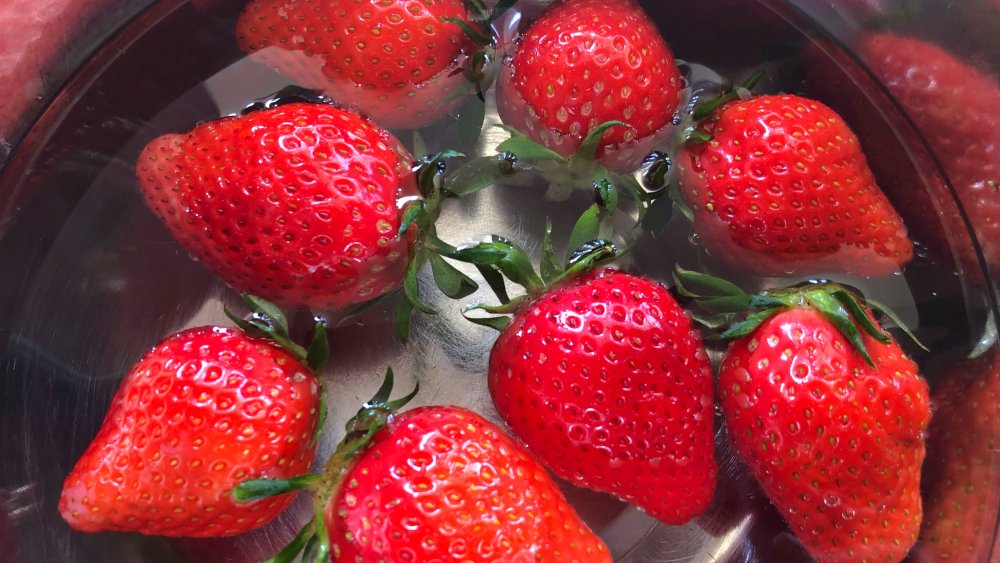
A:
(783, 186)
(586, 62)
(396, 61)
(957, 107)
(202, 411)
(442, 483)
(297, 203)
(606, 380)
(829, 415)
(962, 476)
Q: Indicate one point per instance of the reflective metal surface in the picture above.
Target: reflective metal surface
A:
(92, 279)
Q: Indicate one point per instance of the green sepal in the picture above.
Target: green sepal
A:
(321, 419)
(674, 193)
(323, 539)
(309, 553)
(257, 489)
(590, 255)
(696, 285)
(268, 312)
(450, 280)
(419, 145)
(402, 316)
(319, 349)
(478, 10)
(833, 311)
(494, 279)
(748, 325)
(498, 324)
(411, 213)
(411, 288)
(267, 320)
(728, 94)
(429, 169)
(504, 256)
(861, 316)
(525, 148)
(691, 134)
(472, 33)
(294, 547)
(480, 173)
(470, 120)
(606, 194)
(549, 266)
(657, 215)
(898, 323)
(587, 228)
(655, 169)
(588, 148)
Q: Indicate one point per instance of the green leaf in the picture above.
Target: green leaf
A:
(471, 32)
(674, 192)
(500, 9)
(498, 324)
(658, 215)
(587, 228)
(588, 148)
(479, 173)
(470, 120)
(411, 287)
(419, 145)
(704, 285)
(257, 489)
(411, 212)
(384, 390)
(898, 322)
(495, 280)
(450, 280)
(401, 319)
(748, 325)
(401, 402)
(607, 195)
(288, 554)
(269, 312)
(319, 350)
(503, 255)
(525, 148)
(834, 312)
(861, 317)
(550, 268)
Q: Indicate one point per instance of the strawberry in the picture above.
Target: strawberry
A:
(298, 203)
(957, 107)
(780, 185)
(396, 61)
(829, 415)
(962, 478)
(437, 483)
(587, 62)
(202, 411)
(607, 382)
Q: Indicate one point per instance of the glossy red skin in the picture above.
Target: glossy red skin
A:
(296, 204)
(586, 62)
(607, 382)
(957, 107)
(836, 445)
(444, 484)
(202, 411)
(783, 187)
(962, 475)
(395, 61)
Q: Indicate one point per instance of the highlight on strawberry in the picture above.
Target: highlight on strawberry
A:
(429, 484)
(403, 64)
(602, 375)
(587, 62)
(304, 204)
(204, 410)
(778, 184)
(826, 410)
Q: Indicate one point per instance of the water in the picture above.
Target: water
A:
(98, 280)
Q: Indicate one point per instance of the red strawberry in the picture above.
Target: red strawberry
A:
(396, 61)
(587, 62)
(298, 204)
(783, 186)
(606, 380)
(963, 473)
(835, 441)
(444, 484)
(202, 411)
(957, 107)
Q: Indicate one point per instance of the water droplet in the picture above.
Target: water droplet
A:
(848, 514)
(831, 500)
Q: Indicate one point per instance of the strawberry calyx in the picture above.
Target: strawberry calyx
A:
(740, 313)
(691, 132)
(313, 540)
